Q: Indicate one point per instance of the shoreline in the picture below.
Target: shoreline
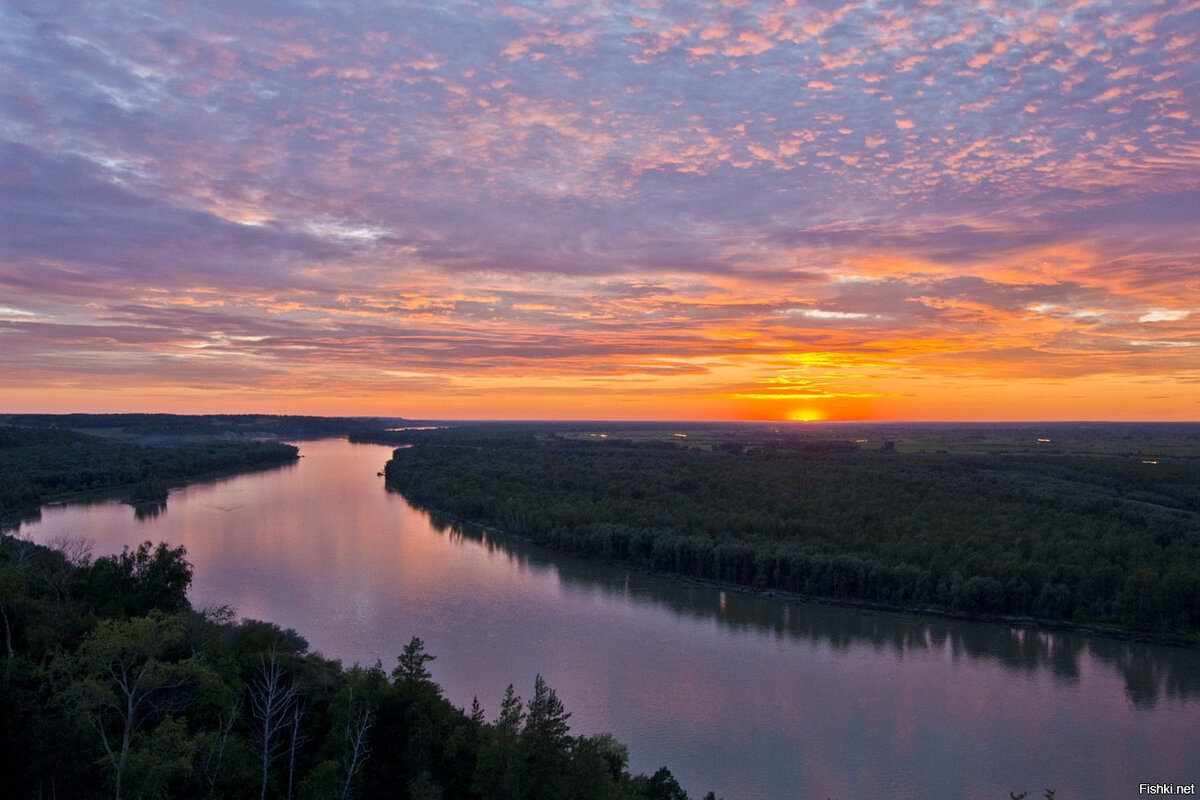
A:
(13, 519)
(1029, 623)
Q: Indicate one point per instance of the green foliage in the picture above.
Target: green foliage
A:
(175, 428)
(659, 786)
(125, 674)
(1101, 539)
(40, 464)
(134, 582)
(410, 665)
(547, 742)
(140, 696)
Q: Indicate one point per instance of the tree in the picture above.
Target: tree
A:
(12, 591)
(272, 701)
(162, 760)
(120, 676)
(359, 718)
(477, 716)
(1141, 599)
(297, 739)
(596, 768)
(133, 582)
(410, 665)
(498, 772)
(659, 786)
(546, 719)
(214, 747)
(547, 742)
(60, 573)
(512, 713)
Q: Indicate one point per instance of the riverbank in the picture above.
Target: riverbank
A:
(50, 465)
(1031, 623)
(1005, 536)
(443, 518)
(123, 494)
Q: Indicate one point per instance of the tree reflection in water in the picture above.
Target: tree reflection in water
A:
(1149, 673)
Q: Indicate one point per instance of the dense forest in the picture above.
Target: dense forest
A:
(113, 686)
(1096, 535)
(42, 464)
(175, 428)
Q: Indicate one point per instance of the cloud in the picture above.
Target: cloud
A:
(554, 188)
(1164, 315)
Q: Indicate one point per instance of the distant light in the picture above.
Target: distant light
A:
(680, 435)
(861, 441)
(1149, 462)
(1044, 441)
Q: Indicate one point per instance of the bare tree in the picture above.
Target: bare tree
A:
(12, 590)
(76, 552)
(272, 701)
(358, 723)
(297, 740)
(213, 755)
(13, 583)
(21, 548)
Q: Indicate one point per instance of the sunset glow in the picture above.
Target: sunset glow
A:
(763, 209)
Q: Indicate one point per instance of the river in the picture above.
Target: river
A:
(755, 698)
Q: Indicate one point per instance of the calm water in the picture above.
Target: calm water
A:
(752, 697)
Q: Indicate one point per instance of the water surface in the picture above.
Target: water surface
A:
(753, 697)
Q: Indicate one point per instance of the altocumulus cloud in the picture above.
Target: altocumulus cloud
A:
(407, 191)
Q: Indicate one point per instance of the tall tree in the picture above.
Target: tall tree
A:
(272, 700)
(359, 718)
(410, 665)
(12, 592)
(547, 742)
(498, 773)
(120, 676)
(214, 748)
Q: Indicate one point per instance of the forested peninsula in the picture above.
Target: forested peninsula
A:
(113, 686)
(38, 465)
(1095, 526)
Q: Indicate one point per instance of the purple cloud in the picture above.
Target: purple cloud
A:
(633, 186)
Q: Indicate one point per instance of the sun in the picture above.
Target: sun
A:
(805, 415)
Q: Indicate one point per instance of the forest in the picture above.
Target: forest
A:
(1092, 533)
(38, 465)
(177, 428)
(114, 686)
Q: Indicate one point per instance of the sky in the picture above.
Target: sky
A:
(752, 209)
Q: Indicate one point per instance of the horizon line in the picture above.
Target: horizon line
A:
(618, 421)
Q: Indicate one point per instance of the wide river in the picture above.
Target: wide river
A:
(753, 697)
